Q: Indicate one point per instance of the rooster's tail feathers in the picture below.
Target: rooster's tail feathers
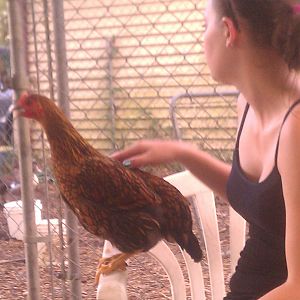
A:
(192, 247)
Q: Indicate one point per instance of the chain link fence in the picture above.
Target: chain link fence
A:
(134, 69)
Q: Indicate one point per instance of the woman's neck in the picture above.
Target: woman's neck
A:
(268, 86)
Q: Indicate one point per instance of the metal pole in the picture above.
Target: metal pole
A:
(110, 52)
(63, 93)
(51, 91)
(174, 99)
(18, 59)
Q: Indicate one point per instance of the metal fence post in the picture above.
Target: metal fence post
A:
(18, 58)
(63, 94)
(110, 51)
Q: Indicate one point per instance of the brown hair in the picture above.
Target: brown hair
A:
(272, 23)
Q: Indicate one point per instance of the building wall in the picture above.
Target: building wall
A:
(126, 60)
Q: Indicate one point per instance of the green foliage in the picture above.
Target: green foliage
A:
(3, 23)
(7, 162)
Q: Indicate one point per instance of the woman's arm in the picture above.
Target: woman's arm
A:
(213, 172)
(210, 170)
(289, 168)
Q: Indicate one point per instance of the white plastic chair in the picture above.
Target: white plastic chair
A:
(204, 204)
(112, 286)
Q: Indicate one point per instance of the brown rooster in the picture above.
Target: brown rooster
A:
(132, 209)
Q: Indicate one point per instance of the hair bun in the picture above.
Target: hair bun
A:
(271, 23)
(286, 37)
(293, 44)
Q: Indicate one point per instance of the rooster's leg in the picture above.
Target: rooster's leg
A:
(114, 263)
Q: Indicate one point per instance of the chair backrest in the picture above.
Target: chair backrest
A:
(204, 206)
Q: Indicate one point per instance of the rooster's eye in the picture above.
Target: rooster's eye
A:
(29, 101)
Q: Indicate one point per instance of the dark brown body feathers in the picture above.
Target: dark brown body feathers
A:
(132, 209)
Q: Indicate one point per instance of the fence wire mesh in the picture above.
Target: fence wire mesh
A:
(126, 60)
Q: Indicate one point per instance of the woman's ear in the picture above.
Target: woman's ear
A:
(230, 31)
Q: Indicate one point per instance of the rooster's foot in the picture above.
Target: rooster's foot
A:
(108, 265)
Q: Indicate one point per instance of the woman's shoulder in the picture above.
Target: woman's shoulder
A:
(291, 122)
(289, 143)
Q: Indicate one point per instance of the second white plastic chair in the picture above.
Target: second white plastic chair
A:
(205, 208)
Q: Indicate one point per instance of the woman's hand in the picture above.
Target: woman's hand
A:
(213, 172)
(149, 152)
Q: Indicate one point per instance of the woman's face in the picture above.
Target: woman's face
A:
(215, 49)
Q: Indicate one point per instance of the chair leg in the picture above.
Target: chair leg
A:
(113, 285)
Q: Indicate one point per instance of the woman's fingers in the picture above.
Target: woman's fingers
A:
(147, 152)
(127, 153)
(134, 155)
(136, 161)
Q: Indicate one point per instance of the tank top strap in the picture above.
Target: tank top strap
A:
(284, 119)
(241, 126)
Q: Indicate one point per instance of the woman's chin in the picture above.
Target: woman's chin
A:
(220, 79)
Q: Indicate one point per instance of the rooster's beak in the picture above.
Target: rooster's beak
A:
(17, 107)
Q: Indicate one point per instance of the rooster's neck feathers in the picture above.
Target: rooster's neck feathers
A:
(62, 135)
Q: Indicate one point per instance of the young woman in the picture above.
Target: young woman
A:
(255, 46)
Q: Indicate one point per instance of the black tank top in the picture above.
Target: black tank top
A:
(262, 264)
